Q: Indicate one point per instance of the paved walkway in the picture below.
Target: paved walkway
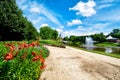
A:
(73, 64)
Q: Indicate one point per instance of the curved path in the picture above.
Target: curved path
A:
(73, 64)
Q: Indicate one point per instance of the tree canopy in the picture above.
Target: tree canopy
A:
(13, 26)
(48, 33)
(115, 33)
(100, 37)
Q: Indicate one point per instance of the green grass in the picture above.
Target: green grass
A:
(52, 43)
(98, 52)
(106, 44)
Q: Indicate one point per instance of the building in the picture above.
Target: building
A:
(111, 39)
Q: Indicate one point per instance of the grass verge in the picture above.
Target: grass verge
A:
(52, 43)
(106, 44)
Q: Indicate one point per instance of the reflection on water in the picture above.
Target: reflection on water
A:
(89, 47)
(108, 50)
(115, 50)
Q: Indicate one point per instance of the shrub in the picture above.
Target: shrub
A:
(22, 61)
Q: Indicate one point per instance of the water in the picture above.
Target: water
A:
(89, 45)
(107, 50)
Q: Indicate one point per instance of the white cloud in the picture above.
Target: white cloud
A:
(81, 28)
(72, 32)
(42, 25)
(37, 20)
(59, 30)
(82, 31)
(108, 1)
(85, 9)
(22, 4)
(40, 9)
(111, 16)
(24, 7)
(100, 25)
(79, 32)
(38, 13)
(74, 22)
(35, 9)
(104, 6)
(61, 27)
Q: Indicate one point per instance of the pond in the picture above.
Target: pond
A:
(109, 50)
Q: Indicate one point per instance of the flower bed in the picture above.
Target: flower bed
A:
(22, 60)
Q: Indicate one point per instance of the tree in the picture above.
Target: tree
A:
(31, 32)
(48, 33)
(99, 37)
(73, 38)
(80, 39)
(54, 34)
(13, 26)
(115, 33)
(66, 38)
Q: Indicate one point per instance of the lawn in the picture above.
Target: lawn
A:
(53, 43)
(106, 44)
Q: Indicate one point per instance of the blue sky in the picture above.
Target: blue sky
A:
(73, 17)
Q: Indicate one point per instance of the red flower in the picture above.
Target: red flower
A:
(20, 48)
(25, 45)
(8, 45)
(8, 56)
(37, 43)
(33, 45)
(42, 60)
(11, 48)
(40, 56)
(35, 58)
(42, 67)
(33, 53)
(29, 45)
(19, 43)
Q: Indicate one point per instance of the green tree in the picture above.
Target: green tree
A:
(73, 38)
(13, 26)
(31, 32)
(99, 37)
(66, 38)
(80, 39)
(48, 33)
(54, 34)
(115, 33)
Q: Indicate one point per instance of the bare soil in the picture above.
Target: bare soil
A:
(73, 64)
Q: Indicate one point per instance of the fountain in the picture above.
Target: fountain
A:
(89, 43)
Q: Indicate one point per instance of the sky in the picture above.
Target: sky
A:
(73, 17)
